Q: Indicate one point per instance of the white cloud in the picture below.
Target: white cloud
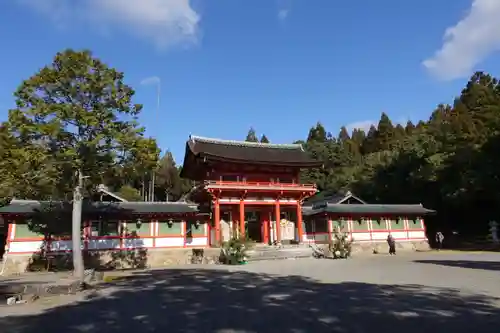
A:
(151, 80)
(163, 22)
(468, 42)
(284, 9)
(364, 125)
(283, 14)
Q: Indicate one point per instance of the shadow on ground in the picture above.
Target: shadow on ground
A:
(484, 265)
(214, 300)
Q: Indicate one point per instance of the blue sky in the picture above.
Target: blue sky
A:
(276, 65)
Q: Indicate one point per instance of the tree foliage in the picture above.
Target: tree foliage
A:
(251, 136)
(77, 116)
(129, 193)
(78, 113)
(169, 185)
(26, 170)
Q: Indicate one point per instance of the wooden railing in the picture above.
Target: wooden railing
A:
(226, 183)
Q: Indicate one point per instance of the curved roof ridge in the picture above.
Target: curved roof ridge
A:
(195, 138)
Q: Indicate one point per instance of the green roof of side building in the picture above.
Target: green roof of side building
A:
(20, 207)
(347, 203)
(367, 209)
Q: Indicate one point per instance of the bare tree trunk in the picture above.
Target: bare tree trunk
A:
(76, 234)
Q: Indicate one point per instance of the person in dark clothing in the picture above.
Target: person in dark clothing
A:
(439, 240)
(392, 245)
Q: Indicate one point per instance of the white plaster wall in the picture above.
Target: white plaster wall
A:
(32, 246)
(170, 242)
(197, 241)
(380, 235)
(416, 234)
(399, 234)
(361, 236)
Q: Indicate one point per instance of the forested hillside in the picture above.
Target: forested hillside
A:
(449, 162)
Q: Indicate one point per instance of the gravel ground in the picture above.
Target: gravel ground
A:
(437, 292)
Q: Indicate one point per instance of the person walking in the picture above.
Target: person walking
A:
(439, 240)
(392, 244)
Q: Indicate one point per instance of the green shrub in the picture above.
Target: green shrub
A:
(235, 251)
(340, 246)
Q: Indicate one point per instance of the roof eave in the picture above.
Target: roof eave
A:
(300, 164)
(30, 207)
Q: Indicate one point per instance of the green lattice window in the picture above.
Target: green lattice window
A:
(170, 228)
(138, 229)
(340, 224)
(359, 225)
(398, 224)
(195, 229)
(104, 228)
(414, 224)
(379, 224)
(23, 231)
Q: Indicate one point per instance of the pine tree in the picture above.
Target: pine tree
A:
(358, 136)
(409, 127)
(370, 144)
(385, 132)
(264, 139)
(317, 133)
(343, 136)
(81, 112)
(399, 132)
(251, 136)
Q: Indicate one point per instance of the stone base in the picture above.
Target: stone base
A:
(109, 260)
(383, 247)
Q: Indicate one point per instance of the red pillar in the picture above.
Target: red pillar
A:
(278, 225)
(235, 219)
(300, 231)
(264, 223)
(242, 218)
(217, 222)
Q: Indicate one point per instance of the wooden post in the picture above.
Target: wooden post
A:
(300, 231)
(264, 224)
(217, 222)
(278, 220)
(242, 218)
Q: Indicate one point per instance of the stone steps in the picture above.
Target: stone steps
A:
(273, 253)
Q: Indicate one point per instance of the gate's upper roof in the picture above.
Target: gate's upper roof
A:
(280, 154)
